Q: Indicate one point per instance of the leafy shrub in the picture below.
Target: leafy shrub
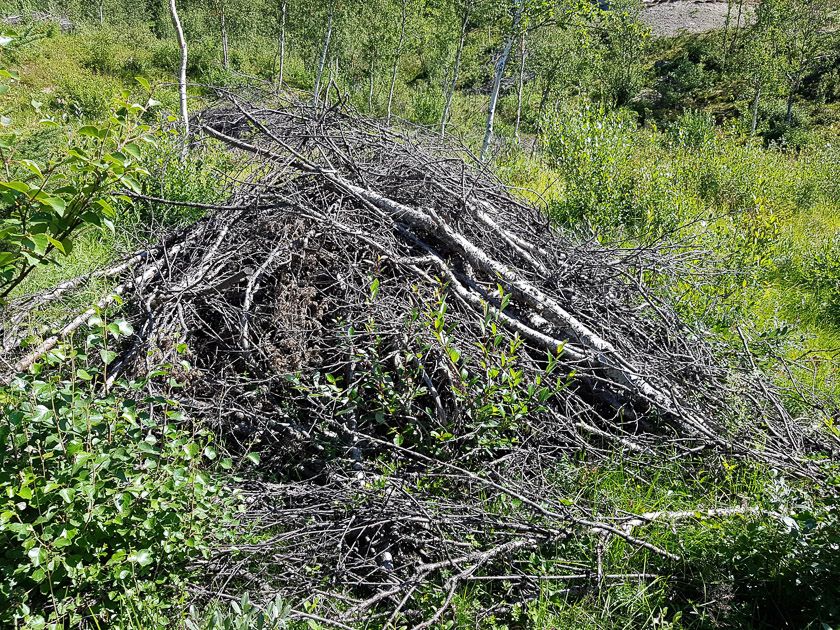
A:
(85, 95)
(104, 495)
(693, 129)
(427, 104)
(607, 186)
(43, 206)
(821, 275)
(590, 148)
(241, 615)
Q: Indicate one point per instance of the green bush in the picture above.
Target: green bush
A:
(693, 130)
(85, 95)
(821, 275)
(105, 496)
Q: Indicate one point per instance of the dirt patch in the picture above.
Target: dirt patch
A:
(667, 19)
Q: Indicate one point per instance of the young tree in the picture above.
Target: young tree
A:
(501, 63)
(220, 9)
(182, 76)
(324, 52)
(397, 56)
(758, 57)
(281, 42)
(464, 10)
(805, 29)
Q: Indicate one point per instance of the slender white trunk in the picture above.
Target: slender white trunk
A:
(371, 71)
(223, 24)
(101, 12)
(455, 68)
(182, 77)
(323, 60)
(497, 81)
(522, 55)
(282, 42)
(396, 62)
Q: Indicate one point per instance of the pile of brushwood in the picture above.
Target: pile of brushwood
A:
(417, 355)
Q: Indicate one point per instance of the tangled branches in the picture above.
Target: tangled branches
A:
(417, 355)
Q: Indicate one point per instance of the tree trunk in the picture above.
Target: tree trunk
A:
(497, 81)
(182, 77)
(455, 68)
(282, 42)
(726, 26)
(396, 62)
(522, 55)
(371, 70)
(323, 60)
(101, 13)
(756, 100)
(738, 25)
(223, 24)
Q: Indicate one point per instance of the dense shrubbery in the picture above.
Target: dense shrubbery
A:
(105, 498)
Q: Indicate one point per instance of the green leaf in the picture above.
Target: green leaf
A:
(107, 356)
(133, 150)
(90, 131)
(16, 186)
(56, 203)
(32, 167)
(107, 208)
(131, 183)
(209, 452)
(37, 556)
(143, 557)
(83, 375)
(144, 83)
(67, 494)
(254, 458)
(38, 243)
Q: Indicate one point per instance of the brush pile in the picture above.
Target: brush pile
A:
(418, 356)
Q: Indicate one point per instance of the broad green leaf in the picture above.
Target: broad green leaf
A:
(89, 130)
(17, 186)
(56, 203)
(38, 243)
(143, 557)
(107, 356)
(144, 83)
(133, 150)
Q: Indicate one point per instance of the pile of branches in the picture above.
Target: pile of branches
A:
(417, 355)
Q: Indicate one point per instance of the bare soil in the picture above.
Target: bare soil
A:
(670, 18)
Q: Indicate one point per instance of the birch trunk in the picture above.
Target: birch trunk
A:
(497, 81)
(323, 60)
(282, 42)
(223, 25)
(371, 71)
(522, 55)
(182, 77)
(396, 63)
(455, 68)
